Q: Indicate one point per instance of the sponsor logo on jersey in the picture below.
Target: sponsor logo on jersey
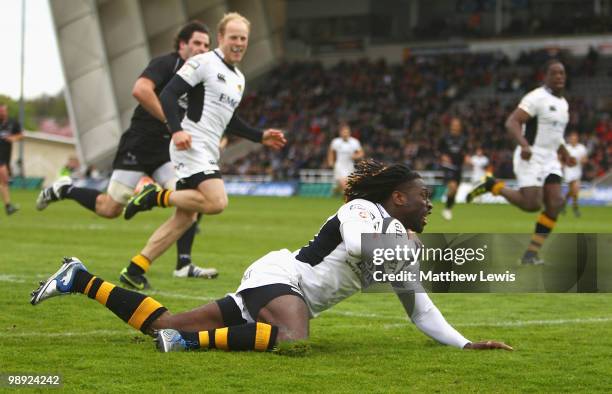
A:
(225, 99)
(221, 77)
(552, 108)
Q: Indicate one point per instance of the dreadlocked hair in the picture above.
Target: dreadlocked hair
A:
(375, 181)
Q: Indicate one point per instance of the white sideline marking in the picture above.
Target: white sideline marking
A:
(521, 323)
(102, 333)
(11, 278)
(360, 314)
(515, 323)
(179, 295)
(95, 333)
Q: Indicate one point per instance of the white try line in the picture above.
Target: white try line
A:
(521, 323)
(515, 323)
(95, 333)
(107, 333)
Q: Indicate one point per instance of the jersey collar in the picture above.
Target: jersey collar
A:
(383, 211)
(219, 54)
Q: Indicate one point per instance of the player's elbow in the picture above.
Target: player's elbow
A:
(510, 123)
(138, 92)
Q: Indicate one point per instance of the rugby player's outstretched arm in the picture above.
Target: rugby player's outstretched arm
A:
(426, 316)
(272, 138)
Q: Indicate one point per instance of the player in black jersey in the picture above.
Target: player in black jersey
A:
(143, 150)
(453, 148)
(10, 131)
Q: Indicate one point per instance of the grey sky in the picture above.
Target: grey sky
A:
(43, 73)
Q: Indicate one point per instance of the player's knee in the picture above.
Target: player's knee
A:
(107, 207)
(287, 334)
(532, 206)
(216, 205)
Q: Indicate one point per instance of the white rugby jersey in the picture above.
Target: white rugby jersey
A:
(217, 91)
(331, 268)
(344, 152)
(479, 167)
(549, 116)
(579, 152)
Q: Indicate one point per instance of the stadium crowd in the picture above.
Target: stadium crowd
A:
(399, 112)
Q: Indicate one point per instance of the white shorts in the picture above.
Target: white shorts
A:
(123, 182)
(275, 267)
(571, 174)
(342, 172)
(198, 158)
(533, 172)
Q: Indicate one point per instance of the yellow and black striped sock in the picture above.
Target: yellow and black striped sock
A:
(543, 227)
(162, 198)
(251, 336)
(497, 187)
(139, 265)
(137, 310)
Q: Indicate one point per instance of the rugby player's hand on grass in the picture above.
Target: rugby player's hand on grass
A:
(525, 152)
(487, 345)
(182, 140)
(274, 139)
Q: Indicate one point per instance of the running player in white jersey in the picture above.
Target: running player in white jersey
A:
(479, 164)
(281, 292)
(572, 175)
(214, 88)
(537, 125)
(143, 151)
(342, 153)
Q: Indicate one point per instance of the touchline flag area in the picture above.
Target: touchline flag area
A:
(484, 263)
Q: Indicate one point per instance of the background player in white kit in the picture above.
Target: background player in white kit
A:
(342, 153)
(573, 174)
(479, 164)
(537, 125)
(214, 87)
(281, 292)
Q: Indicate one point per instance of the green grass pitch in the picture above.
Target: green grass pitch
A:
(364, 344)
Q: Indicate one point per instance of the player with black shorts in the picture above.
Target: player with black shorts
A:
(214, 86)
(282, 291)
(453, 148)
(10, 131)
(143, 150)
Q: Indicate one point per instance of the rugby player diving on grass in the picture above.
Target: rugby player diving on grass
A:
(283, 290)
